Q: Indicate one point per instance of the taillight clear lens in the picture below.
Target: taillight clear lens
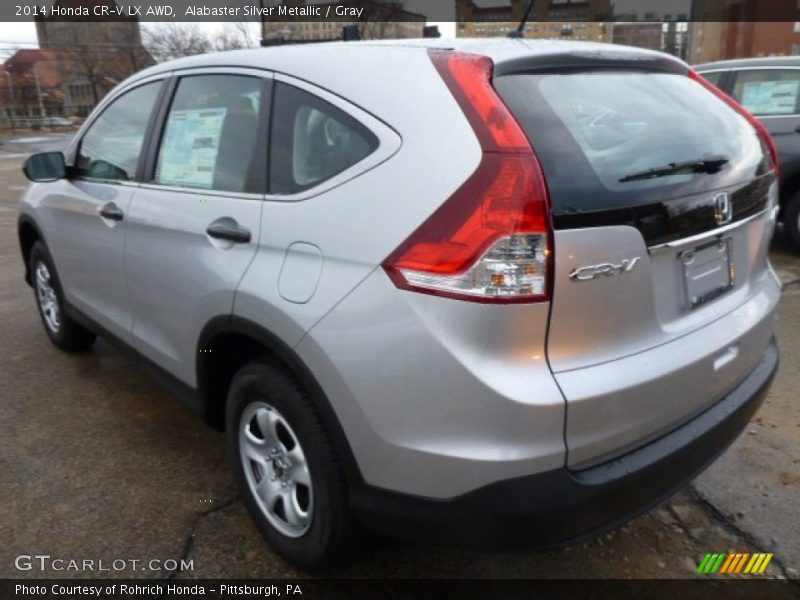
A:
(491, 240)
(514, 267)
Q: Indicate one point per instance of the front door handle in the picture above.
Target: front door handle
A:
(112, 212)
(230, 232)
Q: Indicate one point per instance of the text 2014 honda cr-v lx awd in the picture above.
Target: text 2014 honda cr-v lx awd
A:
(499, 292)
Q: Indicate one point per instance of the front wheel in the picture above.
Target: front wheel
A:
(288, 475)
(62, 330)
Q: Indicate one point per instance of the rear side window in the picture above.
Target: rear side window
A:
(312, 141)
(714, 77)
(111, 147)
(211, 133)
(769, 91)
(595, 131)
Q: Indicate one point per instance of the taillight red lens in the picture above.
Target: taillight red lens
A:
(765, 136)
(490, 241)
(497, 201)
(469, 78)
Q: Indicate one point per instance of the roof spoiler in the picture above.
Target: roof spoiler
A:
(592, 59)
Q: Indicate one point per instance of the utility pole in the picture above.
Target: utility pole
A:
(261, 22)
(11, 110)
(10, 85)
(39, 92)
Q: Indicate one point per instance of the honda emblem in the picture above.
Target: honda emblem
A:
(723, 209)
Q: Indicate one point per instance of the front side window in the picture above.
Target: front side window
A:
(769, 91)
(111, 147)
(312, 141)
(211, 133)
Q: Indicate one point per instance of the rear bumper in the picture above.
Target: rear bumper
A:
(562, 506)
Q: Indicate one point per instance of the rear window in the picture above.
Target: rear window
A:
(596, 131)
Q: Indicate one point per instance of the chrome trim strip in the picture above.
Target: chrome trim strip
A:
(764, 68)
(700, 237)
(197, 191)
(791, 116)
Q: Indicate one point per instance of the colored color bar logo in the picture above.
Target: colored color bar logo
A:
(735, 562)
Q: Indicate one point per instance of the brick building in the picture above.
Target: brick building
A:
(557, 19)
(77, 63)
(724, 29)
(380, 20)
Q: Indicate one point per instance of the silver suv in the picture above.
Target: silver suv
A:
(491, 292)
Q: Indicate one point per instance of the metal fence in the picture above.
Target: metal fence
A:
(53, 119)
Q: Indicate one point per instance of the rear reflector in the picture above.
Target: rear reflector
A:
(763, 134)
(491, 240)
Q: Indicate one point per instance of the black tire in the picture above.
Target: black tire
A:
(791, 216)
(331, 535)
(68, 335)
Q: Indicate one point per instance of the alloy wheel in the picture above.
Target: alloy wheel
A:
(276, 469)
(47, 297)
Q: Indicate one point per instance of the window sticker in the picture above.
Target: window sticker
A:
(191, 144)
(771, 97)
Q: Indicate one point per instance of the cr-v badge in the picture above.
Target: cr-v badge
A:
(603, 270)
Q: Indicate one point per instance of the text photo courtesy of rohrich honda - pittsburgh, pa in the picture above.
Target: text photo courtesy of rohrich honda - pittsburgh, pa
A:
(403, 298)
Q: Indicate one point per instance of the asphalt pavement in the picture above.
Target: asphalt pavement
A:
(99, 462)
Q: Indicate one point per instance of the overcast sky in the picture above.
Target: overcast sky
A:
(23, 35)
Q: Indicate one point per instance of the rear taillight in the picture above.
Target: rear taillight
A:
(491, 240)
(763, 134)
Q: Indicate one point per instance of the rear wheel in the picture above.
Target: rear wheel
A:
(289, 477)
(63, 331)
(791, 220)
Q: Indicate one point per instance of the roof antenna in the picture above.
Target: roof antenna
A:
(519, 32)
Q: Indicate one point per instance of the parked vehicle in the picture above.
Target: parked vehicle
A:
(492, 292)
(40, 122)
(53, 122)
(770, 89)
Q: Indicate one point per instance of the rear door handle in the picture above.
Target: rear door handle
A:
(232, 233)
(112, 212)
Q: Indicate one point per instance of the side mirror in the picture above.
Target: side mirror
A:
(46, 166)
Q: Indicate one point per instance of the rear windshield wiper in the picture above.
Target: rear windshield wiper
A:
(702, 165)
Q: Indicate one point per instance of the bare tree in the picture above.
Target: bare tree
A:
(89, 63)
(380, 19)
(245, 32)
(132, 52)
(171, 40)
(235, 36)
